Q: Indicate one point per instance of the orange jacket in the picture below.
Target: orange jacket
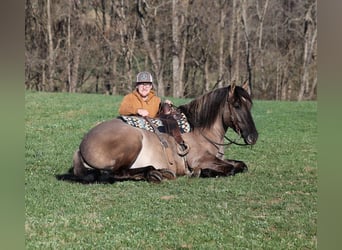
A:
(133, 101)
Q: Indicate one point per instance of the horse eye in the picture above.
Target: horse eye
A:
(236, 105)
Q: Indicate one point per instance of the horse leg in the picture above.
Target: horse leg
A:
(239, 166)
(158, 175)
(154, 176)
(148, 173)
(79, 169)
(220, 167)
(83, 174)
(167, 174)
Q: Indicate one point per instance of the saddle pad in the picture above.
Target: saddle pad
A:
(140, 122)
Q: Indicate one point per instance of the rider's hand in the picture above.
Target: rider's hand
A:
(168, 102)
(142, 112)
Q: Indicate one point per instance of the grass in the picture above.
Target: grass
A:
(272, 206)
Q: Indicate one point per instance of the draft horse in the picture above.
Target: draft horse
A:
(114, 150)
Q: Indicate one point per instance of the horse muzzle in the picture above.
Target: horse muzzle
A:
(251, 139)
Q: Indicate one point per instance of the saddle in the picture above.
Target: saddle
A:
(169, 120)
(170, 117)
(161, 122)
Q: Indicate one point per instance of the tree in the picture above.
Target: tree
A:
(179, 43)
(310, 38)
(99, 46)
(149, 18)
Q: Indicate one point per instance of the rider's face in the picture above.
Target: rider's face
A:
(144, 88)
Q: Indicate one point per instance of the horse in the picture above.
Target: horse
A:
(114, 150)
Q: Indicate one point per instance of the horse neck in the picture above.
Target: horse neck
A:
(218, 129)
(209, 113)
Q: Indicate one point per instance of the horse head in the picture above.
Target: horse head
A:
(238, 115)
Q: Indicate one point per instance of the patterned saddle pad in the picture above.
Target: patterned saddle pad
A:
(139, 122)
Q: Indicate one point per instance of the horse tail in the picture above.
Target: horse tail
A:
(93, 176)
(82, 172)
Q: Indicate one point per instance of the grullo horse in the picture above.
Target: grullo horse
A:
(114, 150)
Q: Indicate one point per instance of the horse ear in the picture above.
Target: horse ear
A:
(231, 90)
(246, 87)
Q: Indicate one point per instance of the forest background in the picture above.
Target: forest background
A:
(189, 46)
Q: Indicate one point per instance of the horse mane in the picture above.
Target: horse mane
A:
(203, 111)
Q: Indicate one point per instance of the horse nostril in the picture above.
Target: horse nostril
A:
(251, 139)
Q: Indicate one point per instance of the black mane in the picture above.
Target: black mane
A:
(203, 111)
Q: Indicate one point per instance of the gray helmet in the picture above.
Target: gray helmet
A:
(144, 77)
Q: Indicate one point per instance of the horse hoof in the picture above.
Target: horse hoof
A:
(196, 172)
(245, 169)
(241, 168)
(168, 174)
(154, 176)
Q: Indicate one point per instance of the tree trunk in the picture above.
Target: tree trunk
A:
(175, 50)
(221, 45)
(183, 51)
(114, 74)
(158, 69)
(75, 66)
(42, 86)
(127, 42)
(260, 55)
(67, 85)
(247, 42)
(206, 76)
(51, 81)
(310, 34)
(155, 53)
(178, 49)
(233, 32)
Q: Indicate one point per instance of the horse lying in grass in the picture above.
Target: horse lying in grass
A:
(114, 150)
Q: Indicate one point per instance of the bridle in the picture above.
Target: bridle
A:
(234, 121)
(235, 125)
(230, 141)
(223, 144)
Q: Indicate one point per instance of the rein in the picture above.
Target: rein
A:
(223, 144)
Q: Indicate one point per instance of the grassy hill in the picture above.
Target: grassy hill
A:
(272, 206)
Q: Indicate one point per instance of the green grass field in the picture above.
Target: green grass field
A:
(272, 206)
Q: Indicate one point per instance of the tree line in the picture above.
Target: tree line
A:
(189, 46)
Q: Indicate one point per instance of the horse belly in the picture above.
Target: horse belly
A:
(151, 154)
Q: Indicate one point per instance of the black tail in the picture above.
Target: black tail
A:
(92, 176)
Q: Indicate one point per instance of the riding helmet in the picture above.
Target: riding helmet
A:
(144, 77)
